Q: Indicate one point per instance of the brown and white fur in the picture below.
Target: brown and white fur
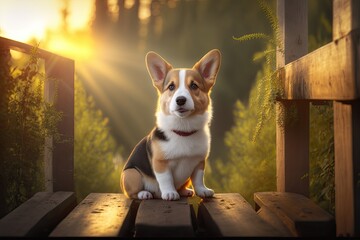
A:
(172, 157)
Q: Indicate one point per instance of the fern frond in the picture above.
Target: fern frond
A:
(252, 36)
(273, 20)
(274, 23)
(260, 55)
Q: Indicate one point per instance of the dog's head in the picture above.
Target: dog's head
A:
(184, 91)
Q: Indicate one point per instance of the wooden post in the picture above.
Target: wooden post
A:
(49, 95)
(61, 173)
(346, 14)
(292, 139)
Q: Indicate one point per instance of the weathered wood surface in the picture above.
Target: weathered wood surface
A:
(39, 215)
(269, 217)
(99, 214)
(298, 213)
(229, 215)
(26, 48)
(346, 19)
(347, 167)
(60, 169)
(158, 218)
(292, 138)
(114, 215)
(328, 73)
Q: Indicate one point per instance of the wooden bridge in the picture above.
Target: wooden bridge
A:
(330, 73)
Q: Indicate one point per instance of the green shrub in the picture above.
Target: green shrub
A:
(25, 120)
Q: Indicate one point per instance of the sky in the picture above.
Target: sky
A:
(22, 20)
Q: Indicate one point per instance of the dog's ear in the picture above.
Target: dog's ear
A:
(157, 68)
(209, 66)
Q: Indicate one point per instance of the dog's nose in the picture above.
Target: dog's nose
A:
(180, 100)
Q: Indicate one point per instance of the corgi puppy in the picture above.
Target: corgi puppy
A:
(172, 157)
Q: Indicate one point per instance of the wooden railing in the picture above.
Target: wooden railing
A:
(59, 162)
(329, 73)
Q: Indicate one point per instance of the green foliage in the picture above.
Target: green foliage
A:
(250, 166)
(322, 184)
(25, 120)
(268, 86)
(272, 39)
(97, 163)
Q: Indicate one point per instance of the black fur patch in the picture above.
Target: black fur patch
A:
(141, 155)
(159, 134)
(139, 158)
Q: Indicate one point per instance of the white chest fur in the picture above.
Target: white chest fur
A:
(195, 145)
(184, 152)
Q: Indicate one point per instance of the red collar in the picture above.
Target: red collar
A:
(184, 134)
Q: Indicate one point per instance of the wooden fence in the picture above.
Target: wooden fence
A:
(329, 73)
(59, 163)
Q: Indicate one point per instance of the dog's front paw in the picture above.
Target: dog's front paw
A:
(170, 195)
(186, 192)
(204, 192)
(145, 195)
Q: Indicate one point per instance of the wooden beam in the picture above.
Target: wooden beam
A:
(26, 48)
(301, 216)
(37, 216)
(159, 218)
(347, 131)
(346, 17)
(230, 215)
(347, 167)
(327, 73)
(292, 138)
(98, 215)
(60, 172)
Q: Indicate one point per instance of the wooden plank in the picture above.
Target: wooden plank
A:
(292, 17)
(292, 138)
(298, 213)
(37, 216)
(347, 167)
(346, 18)
(292, 146)
(270, 218)
(230, 215)
(310, 78)
(159, 218)
(26, 48)
(99, 214)
(62, 70)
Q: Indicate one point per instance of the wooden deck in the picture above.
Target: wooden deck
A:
(112, 214)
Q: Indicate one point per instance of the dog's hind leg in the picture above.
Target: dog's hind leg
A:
(132, 184)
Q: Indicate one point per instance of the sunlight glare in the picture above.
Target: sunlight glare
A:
(24, 20)
(76, 46)
(145, 12)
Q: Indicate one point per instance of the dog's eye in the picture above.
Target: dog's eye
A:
(171, 87)
(193, 86)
